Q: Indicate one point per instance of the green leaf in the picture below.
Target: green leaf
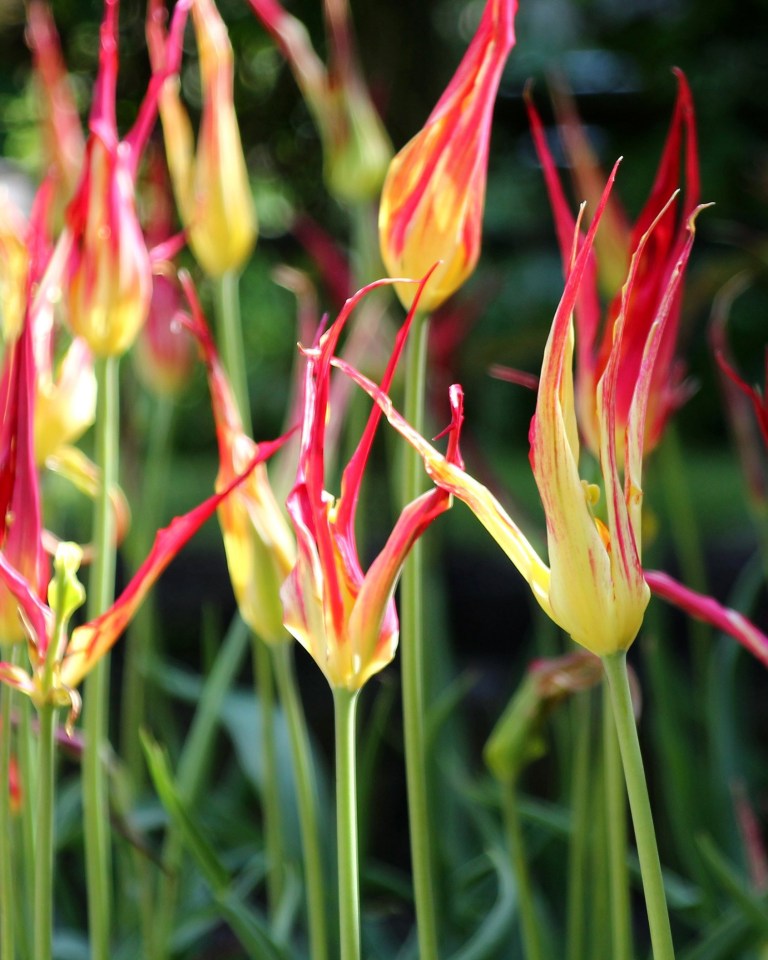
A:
(248, 928)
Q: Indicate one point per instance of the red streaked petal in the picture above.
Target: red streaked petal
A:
(710, 611)
(38, 615)
(92, 640)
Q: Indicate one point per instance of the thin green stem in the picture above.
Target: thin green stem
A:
(581, 717)
(101, 588)
(6, 859)
(412, 663)
(615, 666)
(25, 741)
(529, 924)
(306, 798)
(345, 710)
(230, 334)
(142, 631)
(272, 804)
(616, 825)
(43, 923)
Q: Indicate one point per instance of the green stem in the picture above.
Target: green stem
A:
(230, 334)
(43, 923)
(412, 662)
(616, 825)
(366, 259)
(529, 925)
(581, 811)
(28, 777)
(645, 836)
(96, 688)
(6, 857)
(142, 630)
(272, 804)
(345, 709)
(306, 798)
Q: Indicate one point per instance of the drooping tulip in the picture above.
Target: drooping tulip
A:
(58, 662)
(433, 198)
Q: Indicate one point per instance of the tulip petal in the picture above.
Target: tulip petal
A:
(710, 611)
(91, 641)
(451, 477)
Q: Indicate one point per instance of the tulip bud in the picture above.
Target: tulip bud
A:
(108, 275)
(433, 198)
(211, 187)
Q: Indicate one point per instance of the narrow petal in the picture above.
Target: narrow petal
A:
(710, 611)
(452, 478)
(91, 641)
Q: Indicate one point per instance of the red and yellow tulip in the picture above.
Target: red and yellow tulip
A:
(211, 182)
(614, 250)
(258, 540)
(343, 616)
(594, 586)
(433, 197)
(59, 662)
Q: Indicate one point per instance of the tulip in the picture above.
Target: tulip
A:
(59, 663)
(258, 540)
(659, 260)
(211, 186)
(344, 617)
(433, 197)
(107, 273)
(14, 266)
(62, 134)
(356, 148)
(593, 586)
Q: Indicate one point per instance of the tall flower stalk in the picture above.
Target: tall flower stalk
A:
(343, 616)
(430, 219)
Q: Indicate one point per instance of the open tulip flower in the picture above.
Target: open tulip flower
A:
(594, 586)
(59, 663)
(660, 257)
(344, 617)
(433, 199)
